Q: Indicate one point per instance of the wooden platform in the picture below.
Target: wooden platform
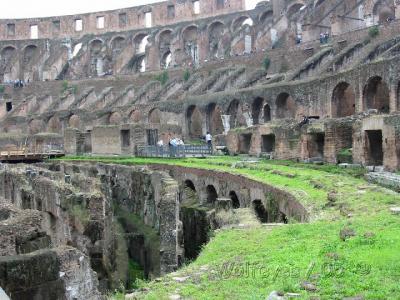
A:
(19, 156)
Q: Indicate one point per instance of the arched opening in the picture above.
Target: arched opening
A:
(383, 12)
(8, 61)
(118, 44)
(243, 35)
(214, 119)
(190, 43)
(267, 113)
(140, 42)
(377, 95)
(189, 184)
(30, 53)
(318, 2)
(266, 18)
(215, 33)
(233, 110)
(241, 22)
(235, 200)
(54, 125)
(285, 106)
(195, 122)
(295, 8)
(195, 226)
(256, 109)
(115, 118)
(166, 60)
(74, 121)
(135, 116)
(96, 58)
(212, 194)
(155, 116)
(343, 100)
(260, 211)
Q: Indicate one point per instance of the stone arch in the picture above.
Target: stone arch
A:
(155, 116)
(318, 2)
(343, 100)
(376, 95)
(54, 125)
(140, 42)
(235, 199)
(9, 57)
(267, 113)
(115, 118)
(256, 109)
(35, 126)
(135, 116)
(241, 22)
(233, 112)
(214, 119)
(164, 39)
(30, 53)
(189, 184)
(215, 42)
(285, 106)
(188, 192)
(118, 43)
(211, 194)
(166, 60)
(74, 121)
(260, 211)
(195, 122)
(190, 36)
(266, 16)
(293, 9)
(383, 12)
(96, 46)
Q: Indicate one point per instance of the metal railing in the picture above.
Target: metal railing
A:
(174, 151)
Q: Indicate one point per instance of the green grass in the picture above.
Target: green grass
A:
(249, 264)
(282, 258)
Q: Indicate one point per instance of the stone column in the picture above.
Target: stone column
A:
(226, 121)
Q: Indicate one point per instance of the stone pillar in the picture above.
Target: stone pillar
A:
(249, 119)
(393, 98)
(226, 121)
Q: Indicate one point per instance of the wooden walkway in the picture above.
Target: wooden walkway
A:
(20, 156)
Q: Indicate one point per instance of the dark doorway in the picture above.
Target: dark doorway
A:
(377, 95)
(235, 200)
(316, 145)
(267, 113)
(9, 106)
(260, 211)
(245, 143)
(268, 143)
(212, 194)
(125, 138)
(374, 145)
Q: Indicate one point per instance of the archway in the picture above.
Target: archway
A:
(343, 100)
(74, 121)
(212, 194)
(135, 116)
(383, 12)
(215, 33)
(54, 125)
(233, 111)
(8, 61)
(140, 42)
(260, 211)
(155, 116)
(267, 113)
(235, 200)
(285, 106)
(377, 95)
(115, 118)
(117, 44)
(256, 110)
(195, 122)
(293, 9)
(214, 119)
(166, 60)
(190, 43)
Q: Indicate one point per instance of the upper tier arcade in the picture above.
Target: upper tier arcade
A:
(152, 15)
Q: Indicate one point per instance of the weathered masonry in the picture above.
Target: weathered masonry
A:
(110, 82)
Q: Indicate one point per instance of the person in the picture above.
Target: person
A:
(160, 143)
(321, 38)
(172, 146)
(209, 140)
